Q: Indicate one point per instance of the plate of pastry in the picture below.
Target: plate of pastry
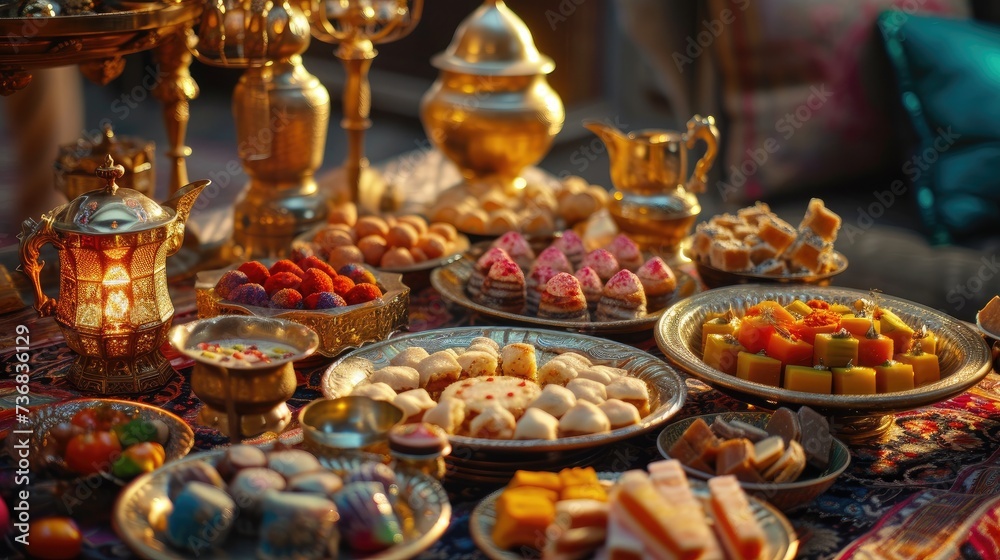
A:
(245, 502)
(653, 513)
(854, 355)
(755, 246)
(607, 290)
(504, 390)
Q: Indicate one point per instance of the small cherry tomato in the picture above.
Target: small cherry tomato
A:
(54, 538)
(98, 418)
(92, 452)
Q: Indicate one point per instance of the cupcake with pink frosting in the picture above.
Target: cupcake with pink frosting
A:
(603, 262)
(591, 285)
(539, 276)
(482, 268)
(570, 244)
(563, 299)
(623, 298)
(554, 258)
(658, 281)
(504, 287)
(517, 247)
(626, 251)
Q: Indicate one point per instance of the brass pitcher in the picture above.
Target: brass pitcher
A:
(113, 307)
(654, 199)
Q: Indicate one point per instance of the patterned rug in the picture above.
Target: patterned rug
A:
(928, 488)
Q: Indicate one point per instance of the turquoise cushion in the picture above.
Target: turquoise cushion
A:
(949, 79)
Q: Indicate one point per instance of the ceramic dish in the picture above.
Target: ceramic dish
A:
(781, 543)
(142, 508)
(450, 282)
(715, 278)
(785, 495)
(666, 388)
(339, 329)
(964, 356)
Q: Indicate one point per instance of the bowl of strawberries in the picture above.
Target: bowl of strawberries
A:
(347, 307)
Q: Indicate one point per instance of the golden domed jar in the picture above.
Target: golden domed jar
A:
(491, 110)
(77, 163)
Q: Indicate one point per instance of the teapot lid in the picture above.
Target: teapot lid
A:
(112, 209)
(493, 41)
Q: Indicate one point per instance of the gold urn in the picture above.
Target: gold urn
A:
(492, 111)
(77, 163)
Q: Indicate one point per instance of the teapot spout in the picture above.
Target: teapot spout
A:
(184, 198)
(613, 138)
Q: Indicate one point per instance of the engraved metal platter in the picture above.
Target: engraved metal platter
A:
(141, 511)
(666, 388)
(780, 540)
(963, 354)
(451, 280)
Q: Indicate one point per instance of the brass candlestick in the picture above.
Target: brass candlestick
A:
(356, 26)
(282, 113)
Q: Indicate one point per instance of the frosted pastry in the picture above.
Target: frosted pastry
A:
(482, 267)
(570, 244)
(626, 252)
(493, 422)
(631, 390)
(409, 357)
(485, 344)
(582, 419)
(517, 247)
(592, 286)
(537, 424)
(729, 255)
(563, 299)
(517, 359)
(413, 404)
(504, 288)
(588, 390)
(449, 414)
(374, 391)
(512, 393)
(554, 259)
(602, 374)
(603, 262)
(555, 400)
(438, 370)
(619, 413)
(535, 285)
(400, 378)
(623, 298)
(476, 363)
(658, 281)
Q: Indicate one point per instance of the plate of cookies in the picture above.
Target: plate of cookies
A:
(754, 246)
(613, 289)
(853, 355)
(787, 458)
(653, 513)
(508, 389)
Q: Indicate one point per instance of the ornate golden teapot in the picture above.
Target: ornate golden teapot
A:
(654, 200)
(114, 308)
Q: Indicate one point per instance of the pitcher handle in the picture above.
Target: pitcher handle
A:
(33, 236)
(702, 128)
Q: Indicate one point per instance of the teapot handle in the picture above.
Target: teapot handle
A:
(33, 236)
(702, 128)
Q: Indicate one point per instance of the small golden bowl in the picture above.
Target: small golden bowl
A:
(347, 423)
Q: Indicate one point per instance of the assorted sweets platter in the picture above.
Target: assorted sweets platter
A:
(577, 513)
(848, 390)
(244, 502)
(613, 289)
(514, 389)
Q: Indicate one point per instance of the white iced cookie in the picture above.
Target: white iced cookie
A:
(414, 404)
(631, 390)
(588, 390)
(449, 414)
(409, 357)
(438, 370)
(619, 413)
(517, 359)
(485, 344)
(400, 378)
(602, 374)
(375, 391)
(537, 424)
(494, 422)
(555, 400)
(584, 418)
(477, 363)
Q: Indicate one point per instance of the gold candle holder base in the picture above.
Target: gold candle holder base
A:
(274, 421)
(139, 374)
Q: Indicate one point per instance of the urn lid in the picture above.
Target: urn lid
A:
(112, 209)
(493, 41)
